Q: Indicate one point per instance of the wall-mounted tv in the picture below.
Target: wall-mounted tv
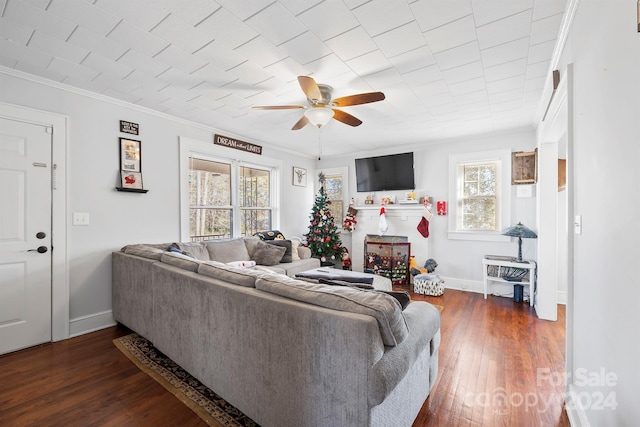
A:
(385, 173)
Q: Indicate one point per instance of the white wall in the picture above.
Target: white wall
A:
(604, 50)
(117, 218)
(460, 261)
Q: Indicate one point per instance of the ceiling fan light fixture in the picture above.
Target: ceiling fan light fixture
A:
(319, 116)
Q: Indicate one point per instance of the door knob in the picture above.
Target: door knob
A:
(40, 250)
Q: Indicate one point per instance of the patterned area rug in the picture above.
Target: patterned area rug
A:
(213, 409)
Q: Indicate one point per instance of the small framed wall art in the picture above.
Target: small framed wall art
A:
(299, 176)
(130, 153)
(131, 166)
(131, 180)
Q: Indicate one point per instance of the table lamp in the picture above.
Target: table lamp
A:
(520, 231)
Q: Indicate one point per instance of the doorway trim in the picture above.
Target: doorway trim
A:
(59, 258)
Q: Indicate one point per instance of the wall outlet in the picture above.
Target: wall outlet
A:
(80, 218)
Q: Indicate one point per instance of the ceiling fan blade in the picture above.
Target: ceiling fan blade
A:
(346, 118)
(361, 98)
(301, 123)
(277, 107)
(310, 87)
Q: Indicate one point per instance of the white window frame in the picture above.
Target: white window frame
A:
(207, 151)
(503, 193)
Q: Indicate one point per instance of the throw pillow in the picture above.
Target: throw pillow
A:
(250, 242)
(195, 249)
(227, 250)
(242, 264)
(288, 256)
(268, 254)
(270, 235)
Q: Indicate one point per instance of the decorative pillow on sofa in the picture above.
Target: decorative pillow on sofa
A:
(227, 250)
(384, 308)
(195, 249)
(288, 255)
(250, 242)
(266, 254)
(270, 235)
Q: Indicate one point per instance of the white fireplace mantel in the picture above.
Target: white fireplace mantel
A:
(402, 220)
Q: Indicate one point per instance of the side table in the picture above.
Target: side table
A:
(504, 263)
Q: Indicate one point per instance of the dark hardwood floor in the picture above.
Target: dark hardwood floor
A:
(496, 358)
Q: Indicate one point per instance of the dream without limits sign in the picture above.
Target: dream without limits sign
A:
(237, 144)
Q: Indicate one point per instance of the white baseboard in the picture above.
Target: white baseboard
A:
(495, 288)
(463, 284)
(93, 322)
(575, 412)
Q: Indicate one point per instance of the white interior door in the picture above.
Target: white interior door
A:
(25, 234)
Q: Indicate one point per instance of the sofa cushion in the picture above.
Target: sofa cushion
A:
(384, 308)
(403, 297)
(145, 251)
(227, 250)
(180, 260)
(236, 275)
(287, 257)
(196, 249)
(266, 254)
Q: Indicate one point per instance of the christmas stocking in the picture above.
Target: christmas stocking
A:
(423, 226)
(382, 222)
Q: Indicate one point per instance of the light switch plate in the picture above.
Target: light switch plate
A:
(577, 224)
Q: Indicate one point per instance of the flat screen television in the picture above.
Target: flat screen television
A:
(385, 173)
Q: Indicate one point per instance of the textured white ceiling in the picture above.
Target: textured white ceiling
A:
(448, 68)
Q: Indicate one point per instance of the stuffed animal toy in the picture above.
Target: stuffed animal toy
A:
(346, 260)
(429, 266)
(413, 267)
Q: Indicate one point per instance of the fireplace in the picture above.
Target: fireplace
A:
(402, 221)
(388, 256)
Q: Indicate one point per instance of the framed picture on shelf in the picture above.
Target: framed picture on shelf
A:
(131, 180)
(130, 155)
(299, 176)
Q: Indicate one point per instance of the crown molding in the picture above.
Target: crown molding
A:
(561, 41)
(124, 104)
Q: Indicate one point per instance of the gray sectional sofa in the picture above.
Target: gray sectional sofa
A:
(285, 352)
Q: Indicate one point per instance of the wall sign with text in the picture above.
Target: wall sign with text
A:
(129, 127)
(237, 144)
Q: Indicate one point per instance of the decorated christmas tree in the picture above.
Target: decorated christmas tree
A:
(323, 238)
